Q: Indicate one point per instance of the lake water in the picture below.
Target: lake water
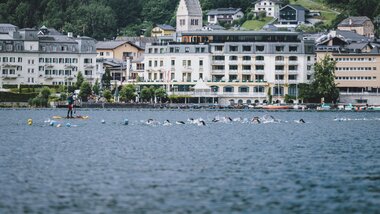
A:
(321, 166)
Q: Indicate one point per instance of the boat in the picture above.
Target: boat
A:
(323, 107)
(275, 107)
(374, 108)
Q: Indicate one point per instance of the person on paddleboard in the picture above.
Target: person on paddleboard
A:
(70, 105)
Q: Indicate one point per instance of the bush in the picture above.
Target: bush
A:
(15, 97)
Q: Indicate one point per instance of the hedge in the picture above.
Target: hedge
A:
(15, 97)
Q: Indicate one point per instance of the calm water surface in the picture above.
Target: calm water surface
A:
(322, 166)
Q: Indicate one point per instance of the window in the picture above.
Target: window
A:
(279, 67)
(259, 77)
(246, 67)
(12, 59)
(233, 58)
(87, 72)
(233, 48)
(293, 58)
(280, 48)
(150, 63)
(279, 58)
(260, 67)
(189, 63)
(292, 77)
(259, 58)
(155, 63)
(182, 22)
(279, 77)
(5, 59)
(293, 48)
(233, 67)
(200, 63)
(259, 48)
(87, 60)
(173, 62)
(161, 63)
(247, 48)
(293, 67)
(218, 58)
(219, 48)
(308, 58)
(187, 50)
(184, 63)
(177, 49)
(246, 58)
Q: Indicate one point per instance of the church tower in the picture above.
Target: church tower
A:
(189, 16)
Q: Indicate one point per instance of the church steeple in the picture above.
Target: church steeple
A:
(189, 16)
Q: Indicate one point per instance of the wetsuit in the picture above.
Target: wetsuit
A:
(70, 104)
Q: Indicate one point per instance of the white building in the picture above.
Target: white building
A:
(270, 7)
(189, 16)
(227, 15)
(45, 57)
(239, 66)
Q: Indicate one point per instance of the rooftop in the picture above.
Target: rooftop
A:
(224, 11)
(354, 21)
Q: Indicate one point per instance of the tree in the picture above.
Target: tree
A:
(85, 91)
(160, 93)
(106, 79)
(128, 92)
(45, 92)
(80, 80)
(96, 87)
(107, 94)
(147, 93)
(323, 82)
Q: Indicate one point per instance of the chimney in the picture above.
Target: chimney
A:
(70, 34)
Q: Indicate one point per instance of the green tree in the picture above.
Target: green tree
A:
(107, 94)
(323, 82)
(96, 87)
(106, 79)
(147, 93)
(80, 80)
(128, 92)
(45, 92)
(85, 91)
(160, 93)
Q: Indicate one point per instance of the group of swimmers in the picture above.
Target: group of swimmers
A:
(218, 119)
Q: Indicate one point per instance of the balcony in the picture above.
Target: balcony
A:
(49, 65)
(218, 62)
(246, 62)
(49, 77)
(279, 71)
(89, 77)
(293, 71)
(259, 71)
(279, 62)
(246, 71)
(218, 71)
(8, 65)
(10, 76)
(260, 62)
(89, 66)
(293, 81)
(293, 62)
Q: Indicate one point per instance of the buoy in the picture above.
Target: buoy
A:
(53, 123)
(68, 125)
(103, 121)
(59, 125)
(30, 122)
(126, 121)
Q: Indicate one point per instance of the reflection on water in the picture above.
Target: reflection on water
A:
(330, 162)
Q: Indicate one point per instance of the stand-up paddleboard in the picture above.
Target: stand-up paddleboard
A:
(75, 117)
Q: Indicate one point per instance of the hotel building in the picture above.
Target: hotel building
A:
(238, 66)
(44, 57)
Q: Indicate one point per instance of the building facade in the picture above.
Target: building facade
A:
(361, 25)
(162, 30)
(239, 67)
(292, 16)
(36, 57)
(227, 15)
(270, 7)
(357, 71)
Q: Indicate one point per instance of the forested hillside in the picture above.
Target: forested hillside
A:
(108, 18)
